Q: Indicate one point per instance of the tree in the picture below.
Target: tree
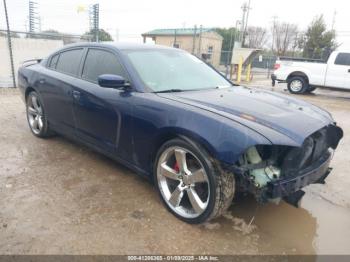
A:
(229, 36)
(102, 35)
(318, 42)
(256, 36)
(285, 37)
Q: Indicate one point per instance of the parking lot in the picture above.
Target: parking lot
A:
(58, 197)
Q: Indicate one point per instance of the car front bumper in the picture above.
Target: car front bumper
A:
(315, 174)
(289, 187)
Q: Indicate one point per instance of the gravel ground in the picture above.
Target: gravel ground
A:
(58, 197)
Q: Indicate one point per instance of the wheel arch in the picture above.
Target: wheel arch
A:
(298, 73)
(224, 148)
(168, 134)
(29, 89)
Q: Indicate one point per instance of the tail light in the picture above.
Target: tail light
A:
(277, 66)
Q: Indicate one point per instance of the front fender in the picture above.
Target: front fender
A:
(223, 141)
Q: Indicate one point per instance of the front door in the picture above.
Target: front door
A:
(101, 114)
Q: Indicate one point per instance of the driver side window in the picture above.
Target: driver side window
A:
(99, 62)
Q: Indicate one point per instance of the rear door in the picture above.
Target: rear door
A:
(101, 114)
(338, 73)
(56, 85)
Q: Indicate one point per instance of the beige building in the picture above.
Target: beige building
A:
(205, 42)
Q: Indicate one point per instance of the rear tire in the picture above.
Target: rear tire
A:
(214, 187)
(297, 85)
(36, 117)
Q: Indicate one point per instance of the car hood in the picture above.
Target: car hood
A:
(263, 111)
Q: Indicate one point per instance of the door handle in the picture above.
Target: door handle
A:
(42, 80)
(348, 70)
(76, 95)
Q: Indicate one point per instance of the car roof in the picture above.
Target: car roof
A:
(119, 45)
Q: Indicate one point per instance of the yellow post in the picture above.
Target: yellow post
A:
(239, 70)
(247, 78)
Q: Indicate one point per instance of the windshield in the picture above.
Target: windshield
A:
(166, 69)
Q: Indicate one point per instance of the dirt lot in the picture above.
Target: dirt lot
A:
(60, 198)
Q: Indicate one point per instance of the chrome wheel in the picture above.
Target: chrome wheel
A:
(35, 114)
(296, 85)
(183, 182)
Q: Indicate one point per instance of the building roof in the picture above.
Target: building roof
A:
(119, 45)
(178, 31)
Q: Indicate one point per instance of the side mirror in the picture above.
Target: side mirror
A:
(112, 81)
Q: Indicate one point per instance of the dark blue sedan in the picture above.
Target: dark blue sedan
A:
(171, 117)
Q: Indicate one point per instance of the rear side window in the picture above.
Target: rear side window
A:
(99, 62)
(69, 61)
(53, 62)
(343, 59)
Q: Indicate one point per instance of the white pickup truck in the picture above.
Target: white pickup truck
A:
(305, 75)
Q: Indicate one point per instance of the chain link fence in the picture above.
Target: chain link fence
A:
(261, 66)
(26, 46)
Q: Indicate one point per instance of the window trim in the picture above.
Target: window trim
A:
(50, 60)
(128, 78)
(60, 53)
(83, 59)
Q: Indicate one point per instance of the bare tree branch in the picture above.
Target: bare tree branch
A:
(257, 37)
(285, 37)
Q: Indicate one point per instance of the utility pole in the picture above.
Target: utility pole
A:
(246, 23)
(273, 43)
(245, 16)
(273, 32)
(333, 21)
(200, 40)
(194, 40)
(230, 47)
(10, 45)
(174, 45)
(244, 9)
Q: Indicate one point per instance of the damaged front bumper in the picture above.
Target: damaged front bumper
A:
(315, 174)
(289, 188)
(272, 173)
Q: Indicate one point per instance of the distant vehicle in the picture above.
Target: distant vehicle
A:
(169, 116)
(305, 75)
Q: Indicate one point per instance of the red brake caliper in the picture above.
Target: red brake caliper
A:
(176, 167)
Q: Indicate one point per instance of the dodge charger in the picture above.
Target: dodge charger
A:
(173, 118)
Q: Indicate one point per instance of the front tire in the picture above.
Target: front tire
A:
(297, 85)
(37, 119)
(191, 184)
